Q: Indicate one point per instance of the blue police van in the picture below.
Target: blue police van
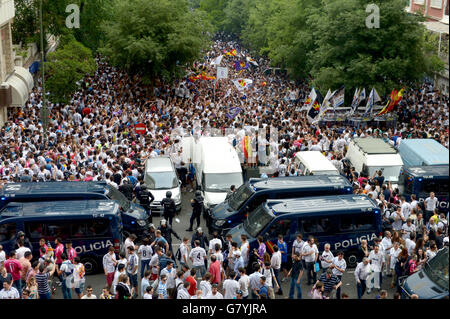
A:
(92, 226)
(425, 179)
(340, 220)
(255, 191)
(134, 217)
(430, 282)
(423, 152)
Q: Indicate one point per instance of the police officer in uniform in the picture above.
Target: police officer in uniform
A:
(197, 208)
(127, 189)
(169, 207)
(145, 198)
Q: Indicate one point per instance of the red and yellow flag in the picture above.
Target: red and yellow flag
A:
(269, 246)
(231, 53)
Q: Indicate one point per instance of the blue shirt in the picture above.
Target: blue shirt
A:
(282, 247)
(162, 290)
(263, 291)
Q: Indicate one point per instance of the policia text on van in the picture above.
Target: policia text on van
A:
(342, 221)
(134, 217)
(250, 195)
(92, 226)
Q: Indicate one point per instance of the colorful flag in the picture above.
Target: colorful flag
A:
(397, 98)
(194, 78)
(249, 59)
(231, 53)
(240, 65)
(233, 112)
(242, 84)
(373, 98)
(312, 96)
(206, 77)
(314, 110)
(269, 246)
(388, 103)
(326, 102)
(338, 98)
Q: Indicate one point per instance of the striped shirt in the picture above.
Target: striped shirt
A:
(42, 282)
(162, 290)
(329, 283)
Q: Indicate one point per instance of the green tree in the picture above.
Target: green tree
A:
(236, 16)
(347, 52)
(154, 37)
(25, 23)
(64, 67)
(215, 11)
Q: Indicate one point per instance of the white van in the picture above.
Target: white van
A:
(217, 167)
(314, 162)
(160, 176)
(370, 154)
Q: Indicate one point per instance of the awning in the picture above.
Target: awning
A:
(19, 90)
(436, 26)
(26, 77)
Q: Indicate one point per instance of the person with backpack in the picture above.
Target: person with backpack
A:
(182, 254)
(169, 207)
(65, 272)
(183, 293)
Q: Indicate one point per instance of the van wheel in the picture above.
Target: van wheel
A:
(352, 260)
(90, 265)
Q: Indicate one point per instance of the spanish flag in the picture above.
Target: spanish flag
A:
(269, 246)
(231, 53)
(393, 100)
(246, 144)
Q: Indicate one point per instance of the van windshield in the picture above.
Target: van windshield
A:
(219, 183)
(390, 173)
(161, 180)
(240, 196)
(437, 268)
(257, 221)
(114, 194)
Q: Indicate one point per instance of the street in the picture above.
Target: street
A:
(98, 281)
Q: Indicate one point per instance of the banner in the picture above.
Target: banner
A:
(222, 72)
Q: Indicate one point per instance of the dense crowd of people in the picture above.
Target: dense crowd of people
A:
(92, 138)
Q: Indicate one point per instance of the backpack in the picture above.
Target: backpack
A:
(174, 292)
(66, 274)
(178, 254)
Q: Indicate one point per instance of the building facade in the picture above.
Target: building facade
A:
(16, 82)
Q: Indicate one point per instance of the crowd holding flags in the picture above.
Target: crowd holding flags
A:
(242, 84)
(358, 97)
(338, 98)
(232, 52)
(393, 100)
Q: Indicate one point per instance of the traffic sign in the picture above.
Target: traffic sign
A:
(140, 128)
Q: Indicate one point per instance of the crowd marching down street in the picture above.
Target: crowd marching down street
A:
(92, 138)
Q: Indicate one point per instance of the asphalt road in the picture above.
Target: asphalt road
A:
(349, 286)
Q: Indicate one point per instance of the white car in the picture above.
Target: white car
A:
(160, 177)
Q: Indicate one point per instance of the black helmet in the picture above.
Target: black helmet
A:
(168, 194)
(198, 193)
(143, 187)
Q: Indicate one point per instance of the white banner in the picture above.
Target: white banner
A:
(222, 72)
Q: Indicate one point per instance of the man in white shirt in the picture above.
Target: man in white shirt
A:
(398, 219)
(254, 282)
(362, 272)
(183, 291)
(244, 283)
(214, 294)
(245, 249)
(376, 258)
(311, 254)
(198, 257)
(129, 241)
(2, 256)
(387, 245)
(109, 266)
(338, 268)
(8, 291)
(120, 271)
(410, 243)
(406, 207)
(145, 252)
(275, 263)
(326, 259)
(230, 286)
(171, 274)
(430, 205)
(132, 268)
(407, 229)
(184, 251)
(213, 242)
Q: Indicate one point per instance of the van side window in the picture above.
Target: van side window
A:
(346, 223)
(34, 230)
(7, 232)
(316, 225)
(363, 222)
(282, 226)
(91, 228)
(256, 201)
(57, 229)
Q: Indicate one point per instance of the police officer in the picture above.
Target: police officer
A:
(169, 207)
(145, 198)
(127, 189)
(166, 232)
(197, 207)
(26, 241)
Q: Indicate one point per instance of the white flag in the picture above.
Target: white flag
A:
(249, 59)
(373, 98)
(222, 73)
(326, 102)
(217, 60)
(242, 84)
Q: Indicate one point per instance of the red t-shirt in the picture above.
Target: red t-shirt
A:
(214, 270)
(193, 288)
(13, 267)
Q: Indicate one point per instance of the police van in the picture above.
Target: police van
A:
(250, 195)
(134, 217)
(340, 220)
(92, 226)
(425, 179)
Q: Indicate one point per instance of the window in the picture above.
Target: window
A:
(7, 232)
(34, 230)
(436, 4)
(316, 225)
(364, 222)
(421, 2)
(346, 224)
(55, 229)
(282, 227)
(91, 228)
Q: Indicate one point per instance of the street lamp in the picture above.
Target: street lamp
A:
(44, 110)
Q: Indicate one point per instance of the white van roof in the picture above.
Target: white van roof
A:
(384, 160)
(219, 156)
(316, 161)
(159, 164)
(370, 145)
